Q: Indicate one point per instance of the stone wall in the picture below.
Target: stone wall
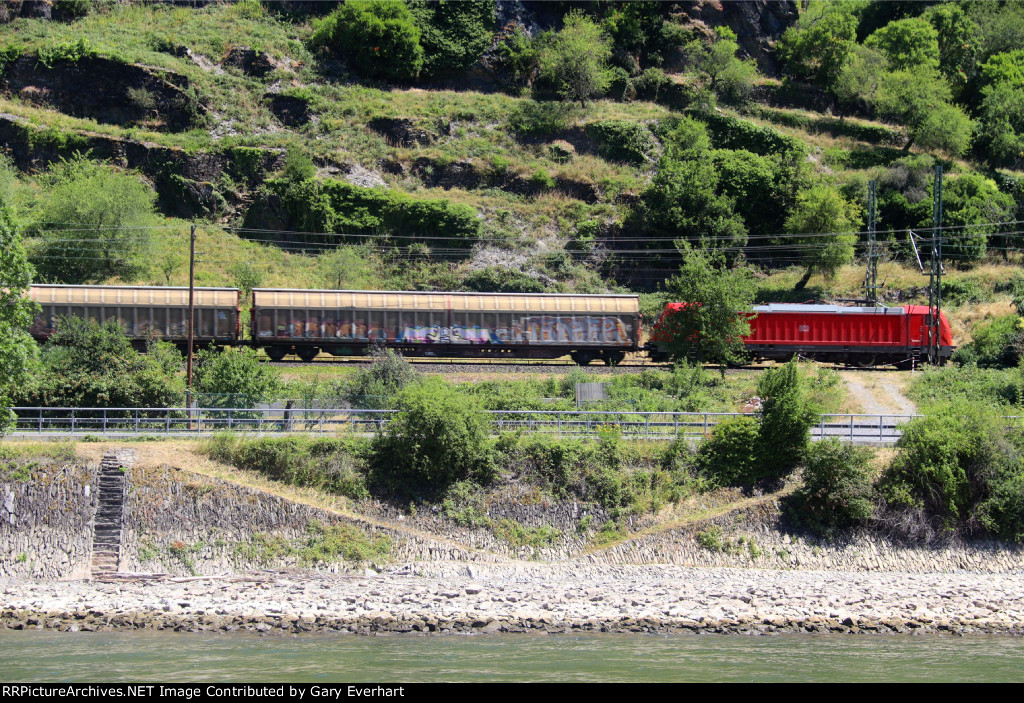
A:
(46, 522)
(183, 523)
(752, 538)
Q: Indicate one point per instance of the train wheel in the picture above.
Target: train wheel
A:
(276, 353)
(307, 353)
(614, 358)
(864, 362)
(582, 358)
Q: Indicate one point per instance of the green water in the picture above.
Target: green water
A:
(239, 658)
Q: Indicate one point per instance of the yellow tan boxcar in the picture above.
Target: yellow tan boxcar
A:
(511, 325)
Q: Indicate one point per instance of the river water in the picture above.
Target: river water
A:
(51, 656)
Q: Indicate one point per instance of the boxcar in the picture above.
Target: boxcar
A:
(587, 327)
(859, 336)
(144, 313)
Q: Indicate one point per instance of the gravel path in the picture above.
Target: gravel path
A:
(518, 597)
(879, 392)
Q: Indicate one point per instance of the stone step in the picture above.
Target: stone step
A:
(109, 518)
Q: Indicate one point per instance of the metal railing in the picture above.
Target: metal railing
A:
(39, 421)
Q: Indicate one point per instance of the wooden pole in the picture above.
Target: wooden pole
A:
(191, 312)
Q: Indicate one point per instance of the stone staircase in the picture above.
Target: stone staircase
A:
(106, 535)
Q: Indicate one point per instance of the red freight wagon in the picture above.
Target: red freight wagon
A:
(852, 335)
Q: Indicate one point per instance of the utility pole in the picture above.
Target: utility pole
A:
(871, 278)
(191, 312)
(935, 274)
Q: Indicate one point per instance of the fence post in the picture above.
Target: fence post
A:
(879, 428)
(851, 429)
(40, 420)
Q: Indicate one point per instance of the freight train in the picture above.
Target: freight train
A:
(586, 328)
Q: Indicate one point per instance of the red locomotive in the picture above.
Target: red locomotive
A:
(858, 336)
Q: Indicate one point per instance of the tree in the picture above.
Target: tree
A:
(454, 34)
(722, 72)
(684, 198)
(859, 78)
(1002, 109)
(92, 223)
(379, 37)
(907, 43)
(919, 99)
(818, 48)
(710, 325)
(16, 311)
(975, 209)
(1002, 124)
(575, 59)
(236, 374)
(824, 213)
(757, 186)
(959, 43)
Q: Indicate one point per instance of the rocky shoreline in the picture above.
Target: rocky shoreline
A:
(454, 598)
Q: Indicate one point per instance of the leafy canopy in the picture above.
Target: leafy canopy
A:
(453, 34)
(831, 219)
(908, 43)
(818, 47)
(92, 223)
(708, 325)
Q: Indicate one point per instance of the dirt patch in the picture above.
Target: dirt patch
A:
(875, 392)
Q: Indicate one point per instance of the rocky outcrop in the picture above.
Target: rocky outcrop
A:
(107, 91)
(249, 61)
(11, 10)
(401, 132)
(290, 110)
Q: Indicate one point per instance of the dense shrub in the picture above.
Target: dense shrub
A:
(531, 117)
(330, 465)
(956, 469)
(110, 211)
(236, 375)
(453, 34)
(438, 437)
(729, 132)
(995, 344)
(836, 491)
(332, 206)
(730, 455)
(786, 418)
(376, 386)
(379, 37)
(619, 140)
(93, 365)
(500, 279)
